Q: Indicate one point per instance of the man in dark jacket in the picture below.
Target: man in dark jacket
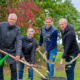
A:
(9, 37)
(70, 46)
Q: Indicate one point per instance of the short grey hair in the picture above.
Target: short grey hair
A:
(31, 30)
(12, 14)
(63, 19)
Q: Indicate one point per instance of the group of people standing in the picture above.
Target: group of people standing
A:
(24, 48)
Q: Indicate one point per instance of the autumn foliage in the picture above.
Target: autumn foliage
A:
(26, 12)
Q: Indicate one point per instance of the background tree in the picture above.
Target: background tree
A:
(32, 13)
(26, 11)
(58, 9)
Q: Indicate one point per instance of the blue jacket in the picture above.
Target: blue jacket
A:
(48, 37)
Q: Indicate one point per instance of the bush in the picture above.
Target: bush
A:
(60, 47)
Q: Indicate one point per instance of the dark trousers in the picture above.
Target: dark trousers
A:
(13, 71)
(70, 69)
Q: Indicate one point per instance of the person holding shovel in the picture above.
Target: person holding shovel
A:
(70, 47)
(10, 42)
(28, 53)
(49, 36)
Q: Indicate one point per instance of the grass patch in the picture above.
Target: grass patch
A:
(43, 71)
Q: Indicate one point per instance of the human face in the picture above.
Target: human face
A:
(62, 25)
(48, 23)
(12, 20)
(30, 35)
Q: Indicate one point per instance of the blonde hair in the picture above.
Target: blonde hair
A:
(31, 30)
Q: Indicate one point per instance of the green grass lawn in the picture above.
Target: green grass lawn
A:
(43, 71)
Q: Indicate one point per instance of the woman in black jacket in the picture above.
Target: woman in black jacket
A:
(28, 53)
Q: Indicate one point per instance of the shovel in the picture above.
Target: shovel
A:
(60, 68)
(66, 63)
(23, 63)
(48, 61)
(32, 66)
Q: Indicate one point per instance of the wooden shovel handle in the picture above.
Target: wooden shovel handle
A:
(41, 54)
(61, 62)
(33, 65)
(13, 57)
(23, 63)
(7, 53)
(74, 59)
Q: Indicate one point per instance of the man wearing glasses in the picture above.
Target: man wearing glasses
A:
(10, 42)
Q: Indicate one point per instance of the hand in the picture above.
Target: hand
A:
(23, 58)
(79, 55)
(39, 48)
(17, 58)
(62, 50)
(31, 64)
(44, 55)
(61, 60)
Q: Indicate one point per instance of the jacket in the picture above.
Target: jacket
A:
(69, 42)
(10, 40)
(48, 37)
(28, 49)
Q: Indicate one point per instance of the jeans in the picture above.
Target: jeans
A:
(51, 56)
(70, 69)
(20, 71)
(13, 71)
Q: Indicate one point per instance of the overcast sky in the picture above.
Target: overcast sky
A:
(76, 4)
